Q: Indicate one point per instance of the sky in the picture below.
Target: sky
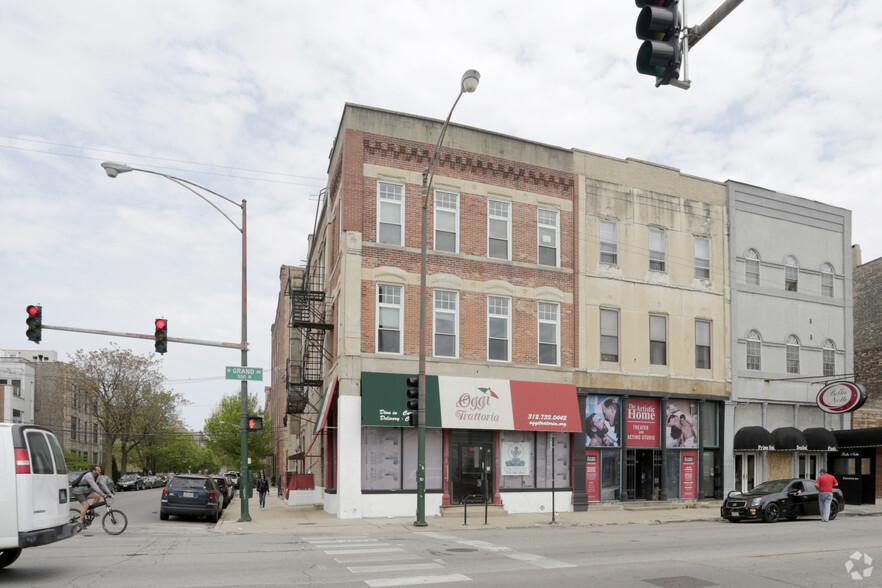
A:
(245, 98)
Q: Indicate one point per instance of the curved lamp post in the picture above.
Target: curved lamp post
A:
(113, 170)
(468, 84)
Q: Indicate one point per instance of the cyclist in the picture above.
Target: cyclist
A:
(91, 488)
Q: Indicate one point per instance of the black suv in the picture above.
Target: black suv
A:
(772, 500)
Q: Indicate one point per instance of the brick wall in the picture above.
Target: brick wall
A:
(868, 340)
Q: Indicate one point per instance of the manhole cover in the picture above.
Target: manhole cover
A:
(461, 550)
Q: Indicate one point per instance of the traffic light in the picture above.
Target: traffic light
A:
(35, 323)
(255, 423)
(161, 335)
(413, 399)
(658, 25)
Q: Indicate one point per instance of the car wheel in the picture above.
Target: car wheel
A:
(7, 556)
(834, 510)
(163, 516)
(772, 513)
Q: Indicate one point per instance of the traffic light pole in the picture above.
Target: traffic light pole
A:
(151, 337)
(697, 33)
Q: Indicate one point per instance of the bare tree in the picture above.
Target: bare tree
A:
(126, 396)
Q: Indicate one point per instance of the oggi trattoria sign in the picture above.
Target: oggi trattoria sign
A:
(840, 397)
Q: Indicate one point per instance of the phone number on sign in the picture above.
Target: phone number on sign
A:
(547, 417)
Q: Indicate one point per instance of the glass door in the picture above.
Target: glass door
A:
(745, 471)
(471, 466)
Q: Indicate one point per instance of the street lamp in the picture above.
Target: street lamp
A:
(468, 84)
(113, 170)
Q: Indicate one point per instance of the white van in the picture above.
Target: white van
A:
(33, 490)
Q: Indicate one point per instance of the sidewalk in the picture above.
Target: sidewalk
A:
(279, 518)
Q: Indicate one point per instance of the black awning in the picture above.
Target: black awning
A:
(820, 439)
(859, 438)
(789, 439)
(753, 439)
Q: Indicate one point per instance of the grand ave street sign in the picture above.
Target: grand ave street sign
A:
(244, 373)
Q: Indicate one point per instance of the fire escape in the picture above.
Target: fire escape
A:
(307, 318)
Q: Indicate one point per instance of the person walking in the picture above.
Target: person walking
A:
(825, 484)
(262, 489)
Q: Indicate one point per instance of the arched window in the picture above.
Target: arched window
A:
(752, 267)
(829, 358)
(791, 273)
(754, 351)
(827, 280)
(792, 345)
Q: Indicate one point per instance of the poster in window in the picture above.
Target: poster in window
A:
(681, 424)
(592, 474)
(517, 459)
(602, 421)
(688, 475)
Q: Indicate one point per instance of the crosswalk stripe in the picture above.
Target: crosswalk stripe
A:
(393, 568)
(415, 580)
(366, 550)
(379, 558)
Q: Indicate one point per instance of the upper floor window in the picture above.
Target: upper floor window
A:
(389, 318)
(656, 250)
(390, 218)
(609, 335)
(792, 347)
(791, 274)
(609, 243)
(658, 340)
(498, 229)
(827, 280)
(702, 258)
(752, 267)
(548, 314)
(499, 328)
(446, 221)
(446, 322)
(754, 351)
(829, 358)
(703, 345)
(549, 237)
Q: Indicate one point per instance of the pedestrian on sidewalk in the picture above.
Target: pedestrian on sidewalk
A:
(262, 489)
(825, 484)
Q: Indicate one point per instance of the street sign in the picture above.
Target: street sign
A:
(244, 373)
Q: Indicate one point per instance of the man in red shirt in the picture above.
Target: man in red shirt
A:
(825, 484)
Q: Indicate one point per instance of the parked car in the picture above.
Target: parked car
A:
(776, 499)
(131, 482)
(108, 482)
(234, 476)
(191, 495)
(151, 482)
(34, 490)
(224, 488)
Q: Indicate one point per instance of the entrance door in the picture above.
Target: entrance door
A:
(745, 471)
(471, 466)
(642, 474)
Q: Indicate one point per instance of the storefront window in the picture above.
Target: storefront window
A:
(520, 472)
(389, 458)
(710, 424)
(610, 485)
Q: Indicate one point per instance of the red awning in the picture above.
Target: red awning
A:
(322, 417)
(545, 407)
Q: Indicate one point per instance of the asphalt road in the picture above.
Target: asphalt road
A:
(189, 552)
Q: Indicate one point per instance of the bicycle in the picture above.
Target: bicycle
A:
(113, 521)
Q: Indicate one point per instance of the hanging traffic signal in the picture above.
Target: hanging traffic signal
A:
(658, 25)
(161, 335)
(255, 423)
(35, 323)
(413, 399)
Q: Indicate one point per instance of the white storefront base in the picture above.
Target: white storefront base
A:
(532, 502)
(399, 505)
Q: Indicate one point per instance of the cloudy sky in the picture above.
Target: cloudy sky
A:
(245, 98)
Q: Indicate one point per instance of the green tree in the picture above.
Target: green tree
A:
(75, 461)
(222, 431)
